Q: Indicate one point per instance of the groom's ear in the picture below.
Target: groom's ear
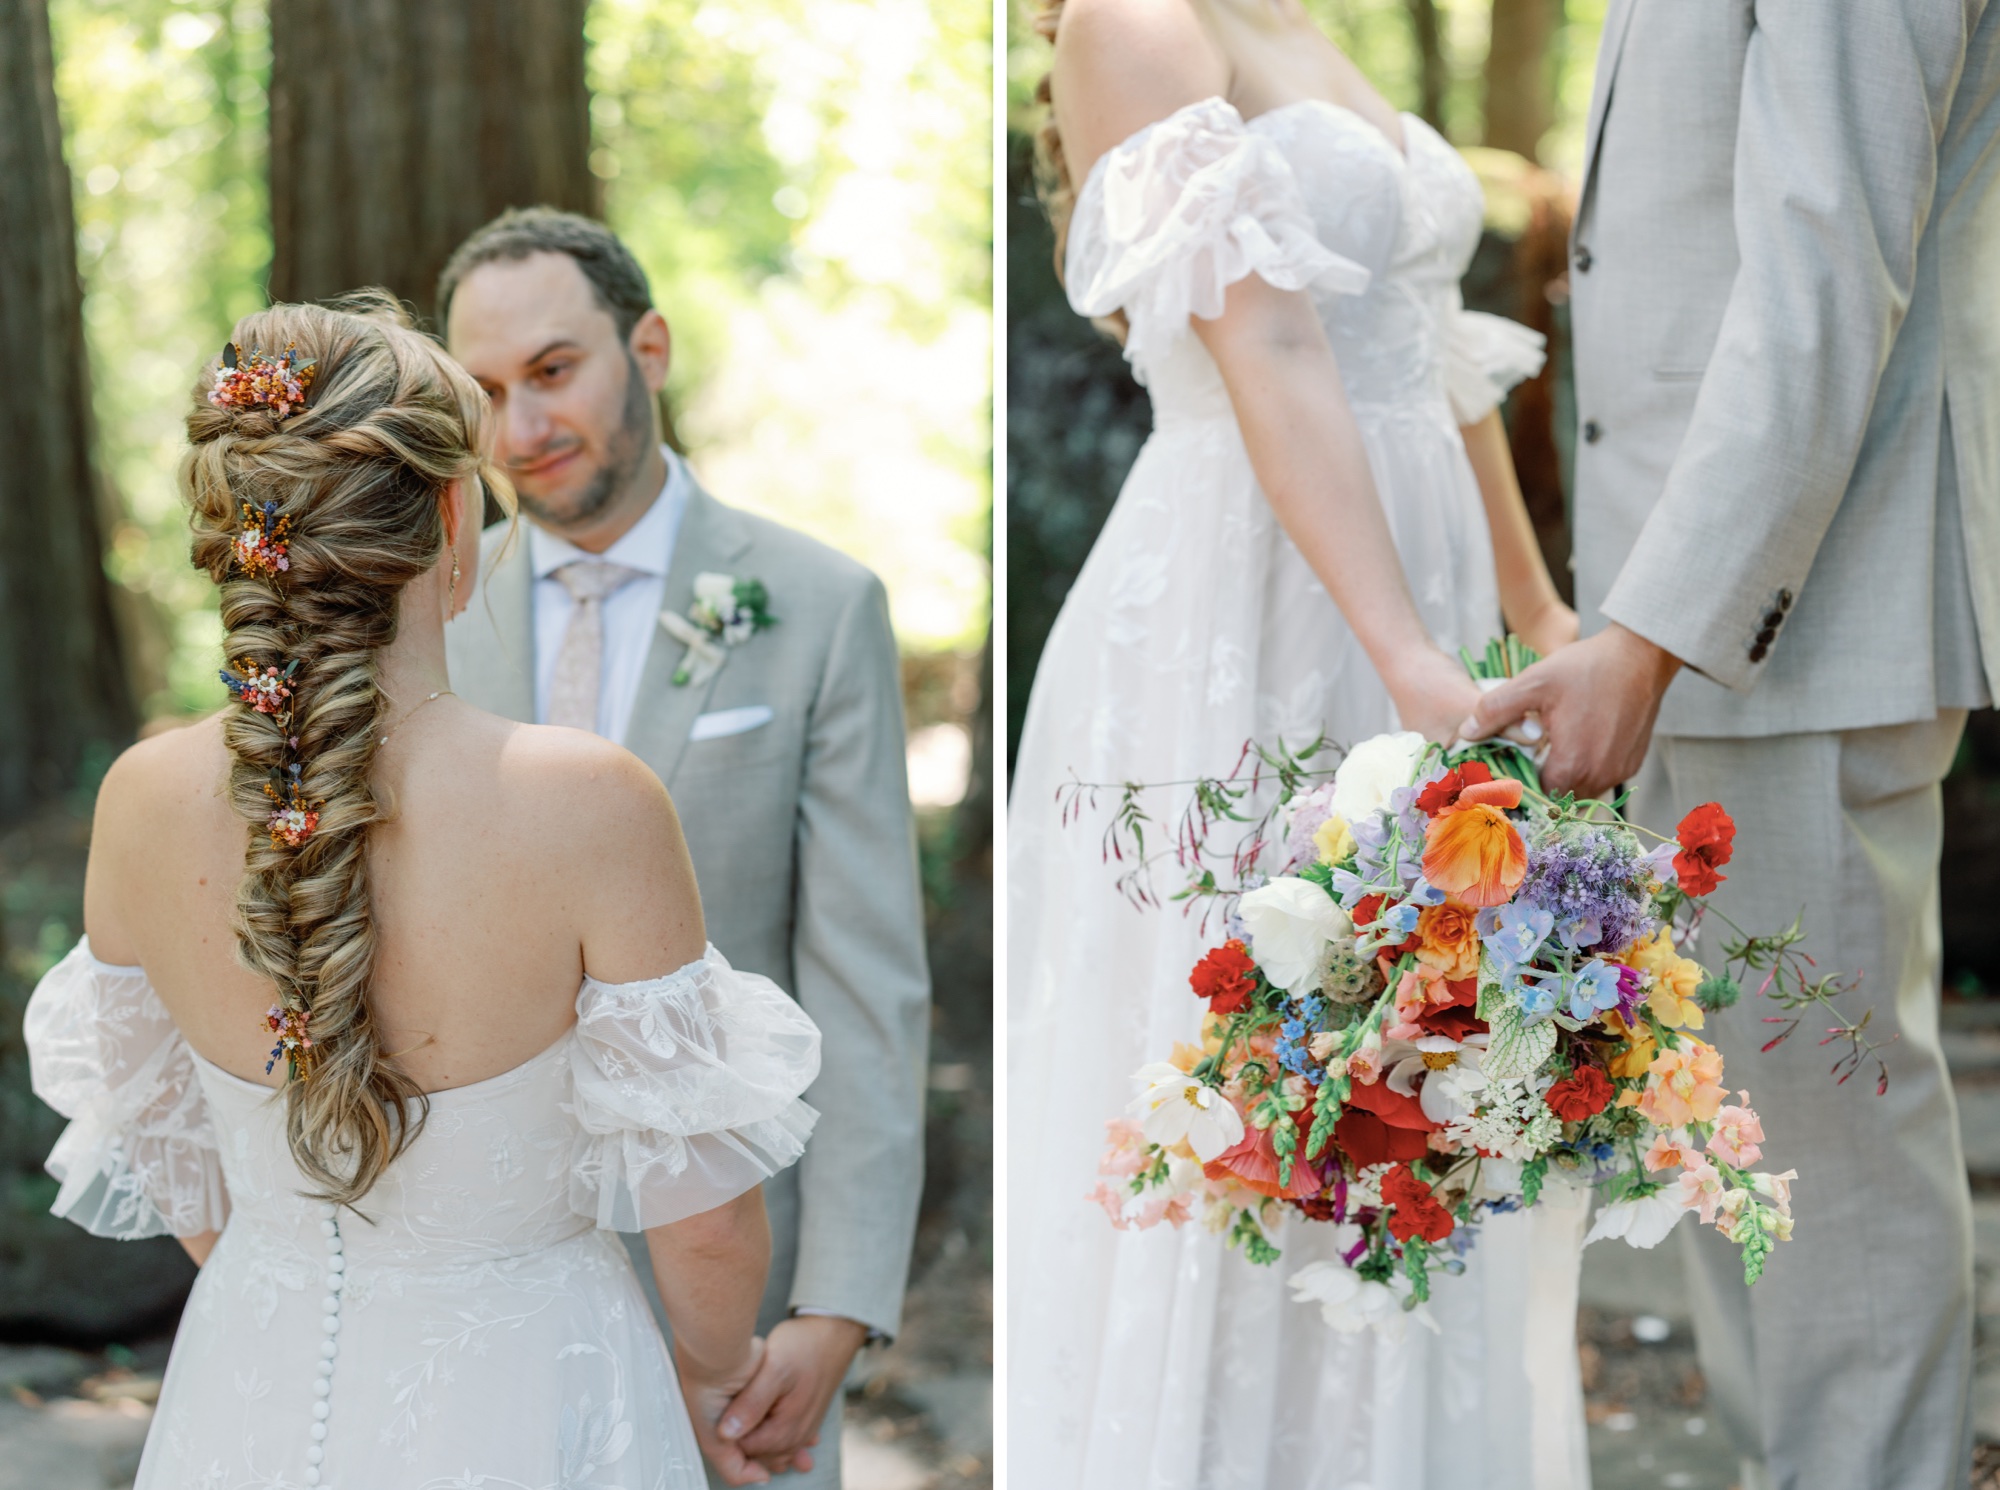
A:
(652, 347)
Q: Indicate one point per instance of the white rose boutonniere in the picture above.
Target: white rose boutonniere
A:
(727, 612)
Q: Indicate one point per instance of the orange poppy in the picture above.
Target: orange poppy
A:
(1474, 855)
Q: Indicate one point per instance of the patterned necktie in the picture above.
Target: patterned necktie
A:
(579, 671)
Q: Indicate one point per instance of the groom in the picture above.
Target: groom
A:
(783, 750)
(1786, 301)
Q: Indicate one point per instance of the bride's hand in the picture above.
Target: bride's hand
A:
(1432, 692)
(1550, 628)
(707, 1394)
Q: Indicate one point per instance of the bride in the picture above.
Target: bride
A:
(494, 1027)
(1324, 512)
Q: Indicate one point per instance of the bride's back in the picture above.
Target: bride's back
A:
(507, 843)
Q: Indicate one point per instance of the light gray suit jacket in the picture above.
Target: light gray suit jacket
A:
(804, 846)
(1786, 307)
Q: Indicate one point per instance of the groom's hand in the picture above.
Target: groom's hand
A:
(1597, 700)
(775, 1418)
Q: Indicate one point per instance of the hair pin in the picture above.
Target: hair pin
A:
(295, 1046)
(264, 691)
(292, 818)
(275, 383)
(261, 548)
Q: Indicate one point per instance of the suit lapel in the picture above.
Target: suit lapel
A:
(711, 538)
(1610, 49)
(501, 678)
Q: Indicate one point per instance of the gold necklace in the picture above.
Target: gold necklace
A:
(406, 718)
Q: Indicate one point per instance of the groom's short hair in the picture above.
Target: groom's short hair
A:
(522, 232)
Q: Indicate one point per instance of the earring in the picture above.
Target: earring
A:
(451, 593)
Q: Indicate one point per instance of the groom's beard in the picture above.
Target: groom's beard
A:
(625, 454)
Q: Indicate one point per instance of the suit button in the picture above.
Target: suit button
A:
(1592, 431)
(1775, 618)
(1759, 652)
(1583, 258)
(1784, 600)
(1768, 635)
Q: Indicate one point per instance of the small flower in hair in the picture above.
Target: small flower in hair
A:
(292, 818)
(261, 548)
(278, 384)
(264, 691)
(295, 1046)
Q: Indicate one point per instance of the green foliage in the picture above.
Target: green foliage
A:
(1533, 1173)
(1249, 1235)
(1718, 991)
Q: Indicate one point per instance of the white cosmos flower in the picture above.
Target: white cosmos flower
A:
(1372, 770)
(1639, 1223)
(1172, 1106)
(1449, 1069)
(1351, 1303)
(1290, 921)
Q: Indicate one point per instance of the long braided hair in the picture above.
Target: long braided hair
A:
(354, 482)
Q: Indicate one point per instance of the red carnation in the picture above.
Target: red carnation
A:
(1582, 1094)
(1417, 1212)
(1223, 978)
(1707, 839)
(1441, 793)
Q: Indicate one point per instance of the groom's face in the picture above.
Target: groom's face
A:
(572, 398)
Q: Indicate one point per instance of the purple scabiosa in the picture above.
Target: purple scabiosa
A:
(1583, 873)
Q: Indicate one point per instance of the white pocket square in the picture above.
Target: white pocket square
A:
(725, 722)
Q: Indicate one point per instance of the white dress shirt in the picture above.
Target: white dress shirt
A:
(631, 612)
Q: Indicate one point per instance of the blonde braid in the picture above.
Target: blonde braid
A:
(360, 476)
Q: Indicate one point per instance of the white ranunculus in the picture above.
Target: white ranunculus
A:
(1639, 1223)
(1172, 1106)
(1372, 770)
(1350, 1303)
(1290, 921)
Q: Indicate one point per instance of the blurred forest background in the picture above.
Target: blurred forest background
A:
(808, 184)
(1508, 82)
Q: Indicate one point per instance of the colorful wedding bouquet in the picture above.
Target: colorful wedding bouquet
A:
(1454, 993)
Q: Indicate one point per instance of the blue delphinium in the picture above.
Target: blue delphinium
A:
(1591, 878)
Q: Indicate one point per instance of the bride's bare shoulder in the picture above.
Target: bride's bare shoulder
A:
(578, 784)
(174, 770)
(1123, 64)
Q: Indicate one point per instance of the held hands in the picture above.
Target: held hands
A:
(1597, 700)
(773, 1421)
(1432, 692)
(709, 1396)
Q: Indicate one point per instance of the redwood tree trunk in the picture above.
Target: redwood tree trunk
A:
(64, 694)
(397, 128)
(1430, 61)
(1520, 89)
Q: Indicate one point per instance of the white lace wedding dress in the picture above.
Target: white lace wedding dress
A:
(1155, 1360)
(474, 1322)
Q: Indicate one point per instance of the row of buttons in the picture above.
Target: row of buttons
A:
(329, 1345)
(1760, 646)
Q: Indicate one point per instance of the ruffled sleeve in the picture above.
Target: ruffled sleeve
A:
(1485, 356)
(687, 1092)
(1171, 218)
(139, 1157)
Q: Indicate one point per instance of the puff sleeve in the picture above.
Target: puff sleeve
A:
(139, 1157)
(686, 1091)
(1485, 356)
(1171, 218)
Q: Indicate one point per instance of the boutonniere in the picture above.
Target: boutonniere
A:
(727, 612)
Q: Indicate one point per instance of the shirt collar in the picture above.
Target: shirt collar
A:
(648, 545)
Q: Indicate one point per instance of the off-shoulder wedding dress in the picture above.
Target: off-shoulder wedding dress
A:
(1154, 1360)
(473, 1322)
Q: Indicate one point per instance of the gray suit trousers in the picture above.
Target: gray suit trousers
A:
(1848, 1366)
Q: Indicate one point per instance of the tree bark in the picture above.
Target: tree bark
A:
(398, 128)
(64, 694)
(1430, 61)
(1520, 92)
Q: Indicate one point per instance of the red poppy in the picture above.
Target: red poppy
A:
(1441, 793)
(1582, 1094)
(1367, 1140)
(1417, 1212)
(1707, 839)
(1224, 978)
